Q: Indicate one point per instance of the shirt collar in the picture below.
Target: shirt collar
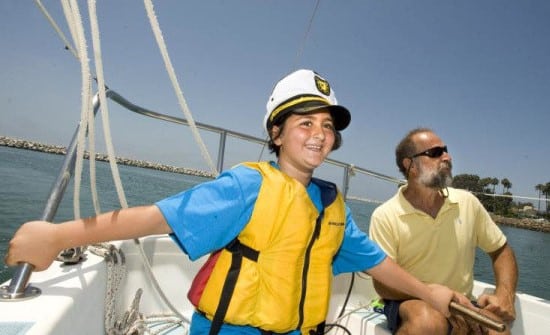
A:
(405, 206)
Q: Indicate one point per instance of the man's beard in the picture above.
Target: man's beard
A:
(437, 179)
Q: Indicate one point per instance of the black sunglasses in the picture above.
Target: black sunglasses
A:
(434, 152)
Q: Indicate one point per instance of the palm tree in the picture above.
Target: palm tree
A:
(494, 182)
(546, 192)
(506, 185)
(485, 182)
(540, 188)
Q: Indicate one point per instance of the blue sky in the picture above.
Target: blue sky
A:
(477, 72)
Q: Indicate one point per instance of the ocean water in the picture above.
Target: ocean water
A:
(27, 176)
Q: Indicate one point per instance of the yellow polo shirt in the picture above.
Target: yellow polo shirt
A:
(440, 250)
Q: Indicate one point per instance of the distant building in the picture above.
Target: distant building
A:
(527, 212)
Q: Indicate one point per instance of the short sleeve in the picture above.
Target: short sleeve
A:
(489, 236)
(358, 252)
(210, 215)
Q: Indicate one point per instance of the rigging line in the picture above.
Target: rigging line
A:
(172, 75)
(74, 21)
(102, 95)
(306, 35)
(112, 161)
(68, 45)
(60, 33)
(298, 55)
(91, 122)
(73, 15)
(67, 11)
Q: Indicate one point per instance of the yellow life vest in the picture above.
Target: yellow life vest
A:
(281, 262)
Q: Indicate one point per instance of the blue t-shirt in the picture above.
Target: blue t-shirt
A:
(208, 216)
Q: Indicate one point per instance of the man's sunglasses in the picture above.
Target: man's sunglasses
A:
(434, 152)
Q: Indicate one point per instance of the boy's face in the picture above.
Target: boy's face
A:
(306, 140)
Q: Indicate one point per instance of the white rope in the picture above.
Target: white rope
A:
(132, 322)
(103, 104)
(156, 285)
(114, 258)
(181, 100)
(112, 159)
(89, 123)
(70, 24)
(74, 19)
(171, 73)
(164, 324)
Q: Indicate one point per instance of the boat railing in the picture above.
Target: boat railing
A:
(348, 168)
(18, 289)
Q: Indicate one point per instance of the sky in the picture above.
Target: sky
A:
(477, 72)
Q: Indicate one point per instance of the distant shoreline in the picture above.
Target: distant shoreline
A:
(60, 150)
(541, 225)
(530, 224)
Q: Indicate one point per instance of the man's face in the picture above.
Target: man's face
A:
(433, 171)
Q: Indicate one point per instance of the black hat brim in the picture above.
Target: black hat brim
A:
(341, 117)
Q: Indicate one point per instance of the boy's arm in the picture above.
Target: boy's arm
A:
(39, 242)
(387, 292)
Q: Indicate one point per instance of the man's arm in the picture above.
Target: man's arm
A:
(506, 271)
(506, 277)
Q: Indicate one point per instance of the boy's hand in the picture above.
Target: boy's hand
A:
(34, 243)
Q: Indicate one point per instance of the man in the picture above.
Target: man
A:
(432, 231)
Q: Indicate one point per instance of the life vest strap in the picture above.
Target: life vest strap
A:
(238, 251)
(236, 246)
(320, 330)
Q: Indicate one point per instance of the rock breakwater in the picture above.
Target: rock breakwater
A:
(60, 150)
(541, 225)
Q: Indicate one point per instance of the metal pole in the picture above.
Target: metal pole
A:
(345, 182)
(221, 150)
(18, 289)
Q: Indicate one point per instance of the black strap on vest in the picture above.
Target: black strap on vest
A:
(238, 251)
(320, 330)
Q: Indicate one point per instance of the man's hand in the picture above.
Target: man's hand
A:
(501, 306)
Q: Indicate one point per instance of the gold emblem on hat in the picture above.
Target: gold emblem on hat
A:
(322, 85)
